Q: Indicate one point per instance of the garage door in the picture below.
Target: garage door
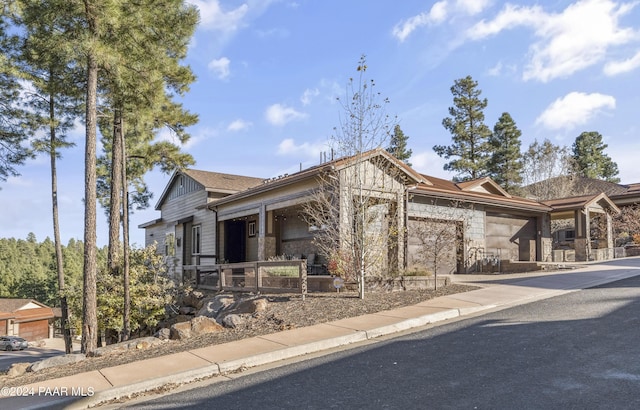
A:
(36, 330)
(513, 237)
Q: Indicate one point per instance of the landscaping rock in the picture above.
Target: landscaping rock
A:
(163, 334)
(17, 369)
(199, 325)
(193, 299)
(212, 306)
(187, 310)
(140, 343)
(180, 331)
(251, 305)
(233, 321)
(56, 361)
(202, 325)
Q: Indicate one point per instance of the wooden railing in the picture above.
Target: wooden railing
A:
(265, 276)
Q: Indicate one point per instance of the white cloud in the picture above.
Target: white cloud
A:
(288, 146)
(239, 125)
(278, 114)
(212, 17)
(569, 41)
(437, 14)
(472, 7)
(308, 95)
(429, 163)
(574, 109)
(619, 67)
(220, 67)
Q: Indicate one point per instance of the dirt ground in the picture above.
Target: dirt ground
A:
(284, 311)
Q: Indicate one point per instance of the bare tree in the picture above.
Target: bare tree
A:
(547, 171)
(439, 237)
(354, 209)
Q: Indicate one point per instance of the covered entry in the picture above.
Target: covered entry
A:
(235, 241)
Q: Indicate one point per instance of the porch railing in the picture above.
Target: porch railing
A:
(263, 276)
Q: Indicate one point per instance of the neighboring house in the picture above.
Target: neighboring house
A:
(581, 223)
(221, 218)
(25, 318)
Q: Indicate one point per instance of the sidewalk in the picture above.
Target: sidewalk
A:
(497, 291)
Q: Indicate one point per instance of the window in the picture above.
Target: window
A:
(170, 244)
(195, 240)
(252, 228)
(569, 235)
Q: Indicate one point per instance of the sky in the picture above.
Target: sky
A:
(269, 72)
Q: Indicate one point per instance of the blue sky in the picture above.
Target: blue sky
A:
(269, 72)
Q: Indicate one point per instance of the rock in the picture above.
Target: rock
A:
(186, 310)
(140, 343)
(199, 325)
(163, 334)
(56, 361)
(193, 299)
(17, 369)
(244, 306)
(212, 306)
(202, 325)
(234, 320)
(180, 331)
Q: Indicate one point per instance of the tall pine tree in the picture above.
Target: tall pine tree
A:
(469, 151)
(590, 160)
(505, 162)
(398, 145)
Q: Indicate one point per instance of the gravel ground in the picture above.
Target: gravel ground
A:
(284, 311)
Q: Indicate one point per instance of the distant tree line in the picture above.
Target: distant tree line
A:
(29, 271)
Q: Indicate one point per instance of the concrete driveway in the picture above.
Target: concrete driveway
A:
(51, 347)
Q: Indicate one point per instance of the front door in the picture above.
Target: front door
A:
(235, 241)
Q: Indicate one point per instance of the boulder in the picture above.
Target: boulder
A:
(56, 361)
(180, 331)
(249, 306)
(17, 369)
(140, 343)
(193, 299)
(186, 310)
(234, 320)
(212, 306)
(163, 334)
(199, 325)
(202, 325)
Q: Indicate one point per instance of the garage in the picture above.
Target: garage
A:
(511, 237)
(29, 319)
(433, 245)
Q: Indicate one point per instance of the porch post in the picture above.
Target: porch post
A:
(262, 230)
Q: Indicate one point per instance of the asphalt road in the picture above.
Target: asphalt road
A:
(29, 355)
(577, 351)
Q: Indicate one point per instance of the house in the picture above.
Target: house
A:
(215, 218)
(26, 318)
(581, 220)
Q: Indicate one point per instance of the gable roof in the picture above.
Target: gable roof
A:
(211, 182)
(581, 202)
(490, 194)
(10, 305)
(311, 172)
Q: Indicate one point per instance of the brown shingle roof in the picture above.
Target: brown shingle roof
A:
(11, 305)
(217, 181)
(448, 189)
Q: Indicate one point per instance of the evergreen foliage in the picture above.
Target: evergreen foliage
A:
(505, 163)
(398, 145)
(590, 160)
(469, 151)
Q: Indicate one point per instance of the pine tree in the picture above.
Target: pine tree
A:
(590, 160)
(12, 135)
(505, 162)
(398, 145)
(470, 148)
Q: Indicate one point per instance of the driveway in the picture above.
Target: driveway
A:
(52, 347)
